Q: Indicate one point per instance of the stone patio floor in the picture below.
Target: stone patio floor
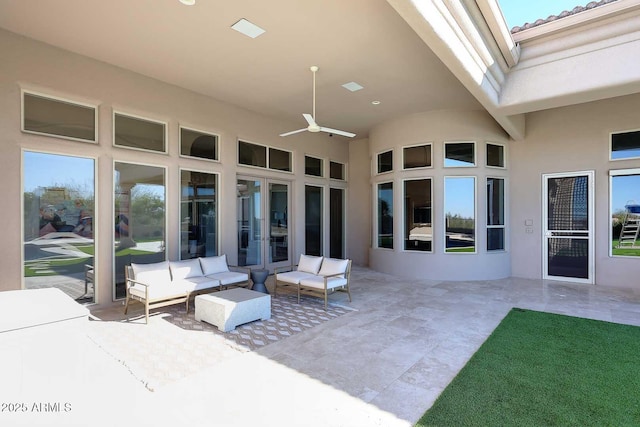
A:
(382, 364)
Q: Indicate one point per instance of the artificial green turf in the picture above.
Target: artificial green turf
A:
(541, 369)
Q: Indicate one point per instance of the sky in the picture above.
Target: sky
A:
(518, 12)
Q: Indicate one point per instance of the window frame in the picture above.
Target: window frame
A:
(344, 171)
(504, 155)
(424, 144)
(444, 154)
(217, 204)
(165, 133)
(612, 174)
(377, 216)
(267, 157)
(504, 214)
(322, 166)
(405, 213)
(56, 98)
(377, 162)
(193, 129)
(611, 159)
(475, 213)
(269, 148)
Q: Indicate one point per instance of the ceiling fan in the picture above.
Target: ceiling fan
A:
(311, 120)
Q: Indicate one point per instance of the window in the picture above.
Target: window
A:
(495, 214)
(418, 230)
(198, 214)
(495, 155)
(459, 154)
(252, 154)
(459, 208)
(625, 212)
(312, 166)
(385, 162)
(58, 206)
(336, 222)
(194, 143)
(139, 213)
(418, 156)
(313, 220)
(279, 160)
(385, 215)
(625, 145)
(336, 171)
(60, 118)
(139, 133)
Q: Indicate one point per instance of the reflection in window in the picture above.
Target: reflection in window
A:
(385, 162)
(336, 171)
(142, 134)
(313, 220)
(459, 208)
(495, 155)
(418, 156)
(194, 143)
(385, 215)
(60, 118)
(625, 145)
(459, 154)
(250, 233)
(418, 233)
(278, 214)
(312, 166)
(252, 154)
(59, 247)
(495, 214)
(625, 214)
(279, 160)
(139, 213)
(198, 214)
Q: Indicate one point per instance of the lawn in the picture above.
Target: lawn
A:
(541, 369)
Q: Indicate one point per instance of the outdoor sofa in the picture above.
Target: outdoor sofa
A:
(165, 283)
(315, 275)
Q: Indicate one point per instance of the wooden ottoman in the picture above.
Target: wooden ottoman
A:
(233, 307)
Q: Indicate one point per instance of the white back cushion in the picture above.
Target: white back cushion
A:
(185, 269)
(157, 272)
(333, 266)
(309, 264)
(214, 264)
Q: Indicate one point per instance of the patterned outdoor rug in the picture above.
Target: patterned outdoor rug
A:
(174, 345)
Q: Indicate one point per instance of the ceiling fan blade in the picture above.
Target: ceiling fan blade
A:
(338, 132)
(293, 132)
(309, 119)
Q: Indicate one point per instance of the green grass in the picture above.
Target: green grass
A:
(467, 249)
(541, 369)
(623, 251)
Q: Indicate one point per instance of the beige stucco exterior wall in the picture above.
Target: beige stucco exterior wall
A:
(359, 202)
(570, 139)
(36, 66)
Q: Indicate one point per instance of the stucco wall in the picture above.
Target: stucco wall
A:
(359, 202)
(570, 139)
(36, 66)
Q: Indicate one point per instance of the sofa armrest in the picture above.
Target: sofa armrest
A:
(241, 268)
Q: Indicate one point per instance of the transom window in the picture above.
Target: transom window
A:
(459, 154)
(385, 162)
(251, 154)
(336, 171)
(139, 133)
(57, 117)
(625, 145)
(495, 155)
(194, 143)
(418, 156)
(313, 166)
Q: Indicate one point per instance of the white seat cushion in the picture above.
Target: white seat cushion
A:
(293, 277)
(214, 264)
(197, 283)
(185, 269)
(317, 282)
(309, 264)
(332, 266)
(152, 274)
(162, 290)
(230, 277)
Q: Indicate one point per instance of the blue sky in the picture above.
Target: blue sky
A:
(518, 12)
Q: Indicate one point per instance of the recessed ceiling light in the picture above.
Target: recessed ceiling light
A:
(247, 28)
(188, 2)
(375, 102)
(352, 86)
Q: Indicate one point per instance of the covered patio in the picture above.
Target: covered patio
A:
(382, 362)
